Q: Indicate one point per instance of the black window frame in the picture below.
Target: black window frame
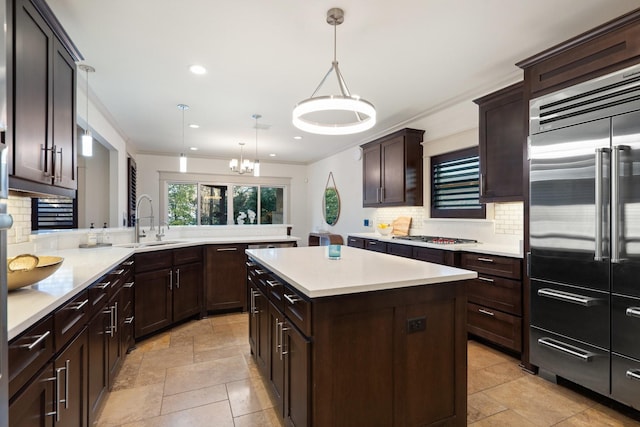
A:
(475, 213)
(55, 224)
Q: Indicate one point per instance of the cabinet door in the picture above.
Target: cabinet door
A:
(187, 288)
(114, 349)
(64, 117)
(71, 369)
(253, 317)
(503, 136)
(153, 296)
(31, 95)
(297, 377)
(276, 359)
(127, 317)
(226, 286)
(263, 350)
(98, 374)
(393, 171)
(371, 174)
(30, 408)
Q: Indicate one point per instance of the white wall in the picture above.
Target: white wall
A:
(93, 188)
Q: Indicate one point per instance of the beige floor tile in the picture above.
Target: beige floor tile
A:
(181, 340)
(491, 376)
(480, 406)
(157, 342)
(218, 339)
(248, 395)
(130, 405)
(218, 353)
(504, 419)
(480, 356)
(532, 399)
(192, 328)
(227, 319)
(600, 416)
(128, 374)
(193, 399)
(167, 357)
(204, 374)
(266, 418)
(213, 415)
(150, 376)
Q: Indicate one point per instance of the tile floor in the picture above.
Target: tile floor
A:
(202, 374)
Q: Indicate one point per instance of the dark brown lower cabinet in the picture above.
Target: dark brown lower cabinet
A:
(297, 375)
(114, 348)
(153, 301)
(33, 405)
(98, 374)
(276, 365)
(71, 368)
(226, 277)
(187, 290)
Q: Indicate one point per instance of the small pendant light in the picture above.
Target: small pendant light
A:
(256, 163)
(183, 158)
(87, 138)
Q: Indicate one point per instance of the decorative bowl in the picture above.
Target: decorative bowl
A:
(25, 270)
(385, 229)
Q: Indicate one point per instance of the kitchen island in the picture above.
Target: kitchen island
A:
(367, 340)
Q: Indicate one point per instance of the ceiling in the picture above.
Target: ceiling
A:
(409, 58)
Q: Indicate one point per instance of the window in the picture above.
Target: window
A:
(455, 185)
(204, 203)
(182, 201)
(53, 214)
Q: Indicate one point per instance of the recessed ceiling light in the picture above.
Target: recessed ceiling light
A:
(297, 137)
(194, 126)
(193, 148)
(272, 155)
(197, 69)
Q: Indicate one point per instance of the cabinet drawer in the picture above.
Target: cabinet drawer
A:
(574, 360)
(625, 380)
(496, 292)
(429, 255)
(496, 326)
(98, 295)
(29, 352)
(356, 242)
(491, 264)
(298, 310)
(151, 261)
(274, 290)
(625, 326)
(187, 255)
(70, 319)
(400, 250)
(579, 313)
(375, 245)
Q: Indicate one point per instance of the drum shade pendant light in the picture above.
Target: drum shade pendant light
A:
(342, 114)
(87, 138)
(256, 163)
(183, 158)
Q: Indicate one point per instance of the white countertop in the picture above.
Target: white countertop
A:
(509, 250)
(310, 271)
(82, 267)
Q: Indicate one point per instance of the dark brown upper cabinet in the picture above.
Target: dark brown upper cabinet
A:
(41, 102)
(503, 136)
(392, 170)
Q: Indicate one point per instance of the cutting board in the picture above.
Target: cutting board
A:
(401, 225)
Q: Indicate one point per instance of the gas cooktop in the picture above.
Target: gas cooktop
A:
(437, 240)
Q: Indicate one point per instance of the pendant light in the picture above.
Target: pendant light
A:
(87, 138)
(256, 163)
(356, 114)
(243, 165)
(183, 158)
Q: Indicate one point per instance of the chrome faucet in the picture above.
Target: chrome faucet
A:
(150, 217)
(160, 233)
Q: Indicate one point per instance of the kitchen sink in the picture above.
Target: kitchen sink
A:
(150, 244)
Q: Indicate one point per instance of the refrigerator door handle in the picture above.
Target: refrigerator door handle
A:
(599, 203)
(615, 202)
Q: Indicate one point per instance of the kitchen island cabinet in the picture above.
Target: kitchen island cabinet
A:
(356, 341)
(226, 277)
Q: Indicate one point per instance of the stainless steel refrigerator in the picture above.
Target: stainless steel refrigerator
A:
(5, 223)
(584, 264)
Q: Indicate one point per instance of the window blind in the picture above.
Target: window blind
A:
(54, 213)
(456, 184)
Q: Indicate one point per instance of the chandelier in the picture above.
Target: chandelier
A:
(243, 165)
(341, 114)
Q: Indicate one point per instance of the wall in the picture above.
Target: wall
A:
(94, 188)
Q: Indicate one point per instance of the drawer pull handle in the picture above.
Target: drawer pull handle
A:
(128, 285)
(37, 341)
(633, 374)
(118, 272)
(78, 306)
(259, 272)
(487, 312)
(569, 297)
(583, 355)
(292, 298)
(128, 263)
(485, 259)
(128, 320)
(273, 283)
(103, 285)
(633, 312)
(251, 264)
(226, 249)
(486, 279)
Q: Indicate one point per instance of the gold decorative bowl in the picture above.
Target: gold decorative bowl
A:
(24, 270)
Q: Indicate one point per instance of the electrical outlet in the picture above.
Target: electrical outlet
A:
(416, 324)
(366, 222)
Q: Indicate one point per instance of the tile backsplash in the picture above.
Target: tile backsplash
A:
(509, 218)
(20, 210)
